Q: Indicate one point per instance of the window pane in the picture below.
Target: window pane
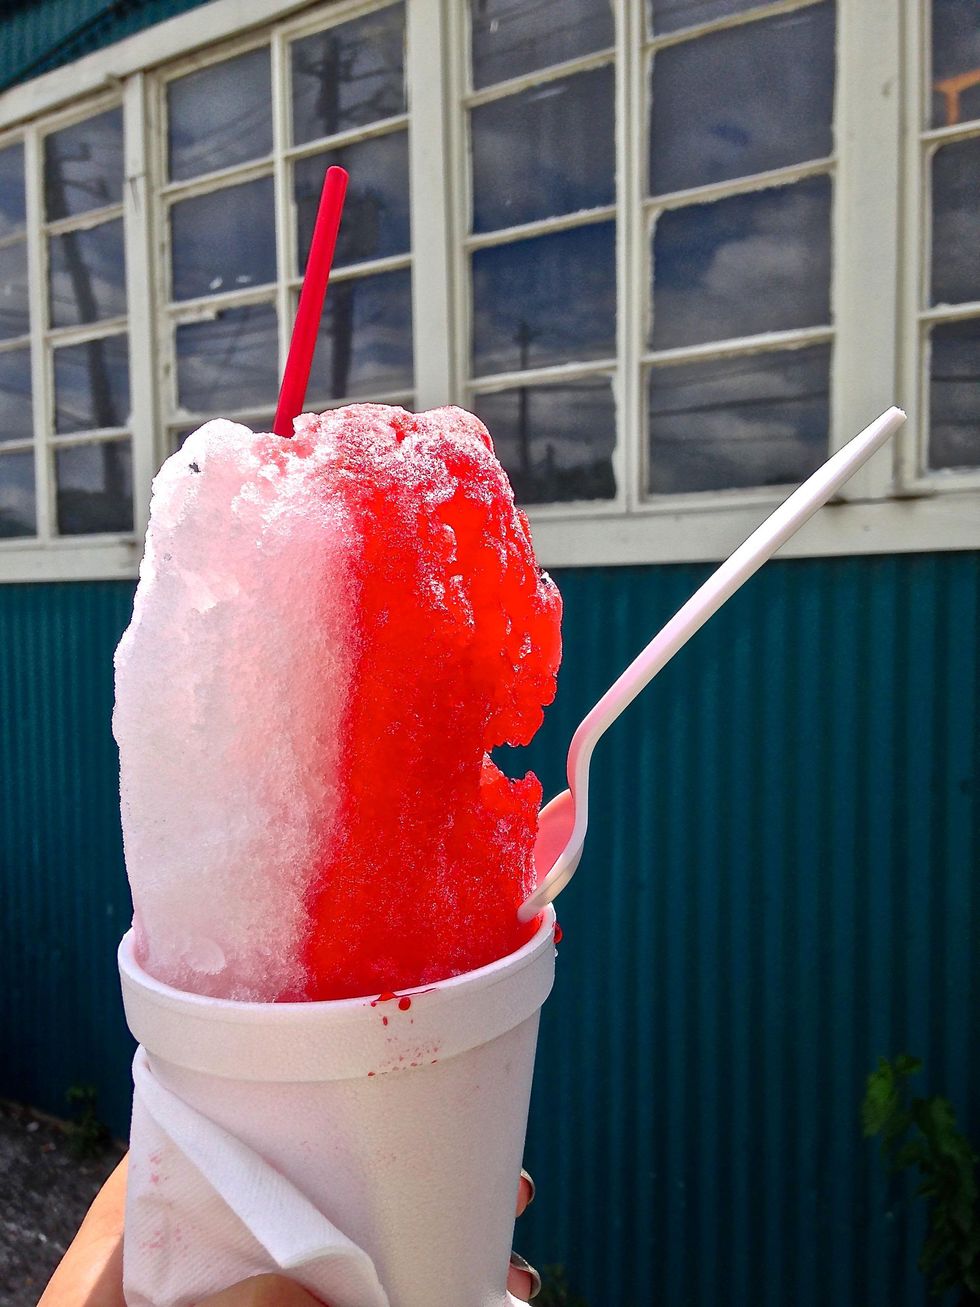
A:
(14, 312)
(95, 488)
(955, 62)
(522, 166)
(87, 275)
(956, 223)
(742, 101)
(556, 442)
(224, 240)
(230, 363)
(83, 166)
(91, 385)
(551, 299)
(748, 264)
(365, 342)
(16, 419)
(17, 517)
(349, 75)
(220, 116)
(737, 422)
(512, 38)
(376, 219)
(12, 210)
(672, 15)
(954, 395)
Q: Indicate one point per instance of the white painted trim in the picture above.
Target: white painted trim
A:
(75, 559)
(41, 396)
(139, 230)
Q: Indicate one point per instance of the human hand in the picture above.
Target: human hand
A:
(90, 1273)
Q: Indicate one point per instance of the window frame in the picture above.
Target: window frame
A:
(880, 190)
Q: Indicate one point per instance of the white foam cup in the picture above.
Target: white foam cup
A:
(371, 1149)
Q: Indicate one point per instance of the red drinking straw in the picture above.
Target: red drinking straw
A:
(292, 393)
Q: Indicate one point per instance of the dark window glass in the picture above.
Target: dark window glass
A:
(510, 38)
(365, 342)
(522, 166)
(91, 385)
(954, 408)
(16, 419)
(739, 422)
(955, 62)
(743, 265)
(95, 488)
(224, 240)
(220, 116)
(742, 101)
(550, 299)
(556, 442)
(349, 75)
(376, 218)
(15, 318)
(230, 363)
(87, 275)
(672, 15)
(956, 223)
(83, 166)
(17, 502)
(12, 210)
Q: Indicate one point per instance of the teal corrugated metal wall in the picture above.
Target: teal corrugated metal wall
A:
(781, 884)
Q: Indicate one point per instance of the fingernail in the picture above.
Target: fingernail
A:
(519, 1264)
(530, 1185)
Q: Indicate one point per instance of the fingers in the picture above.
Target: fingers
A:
(90, 1273)
(262, 1291)
(523, 1281)
(525, 1193)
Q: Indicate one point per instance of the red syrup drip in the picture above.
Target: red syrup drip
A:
(404, 1004)
(559, 933)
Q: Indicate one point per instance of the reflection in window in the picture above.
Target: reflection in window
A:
(672, 15)
(94, 488)
(522, 166)
(17, 500)
(743, 265)
(229, 363)
(954, 419)
(365, 342)
(12, 199)
(556, 442)
(376, 218)
(510, 38)
(737, 422)
(956, 223)
(220, 115)
(16, 419)
(14, 307)
(955, 62)
(87, 275)
(224, 240)
(550, 299)
(83, 166)
(742, 100)
(349, 75)
(91, 385)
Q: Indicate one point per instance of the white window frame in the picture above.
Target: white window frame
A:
(881, 152)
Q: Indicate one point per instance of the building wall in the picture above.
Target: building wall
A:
(780, 885)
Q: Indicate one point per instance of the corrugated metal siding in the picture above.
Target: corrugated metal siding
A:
(780, 884)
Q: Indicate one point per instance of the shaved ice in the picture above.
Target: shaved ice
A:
(329, 636)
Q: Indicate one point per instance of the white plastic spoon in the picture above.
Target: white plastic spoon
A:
(562, 822)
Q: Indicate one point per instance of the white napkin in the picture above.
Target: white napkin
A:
(203, 1211)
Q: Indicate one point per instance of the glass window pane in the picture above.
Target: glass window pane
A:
(14, 309)
(12, 204)
(955, 62)
(223, 240)
(556, 442)
(83, 166)
(672, 15)
(551, 299)
(16, 419)
(349, 75)
(736, 422)
(220, 116)
(17, 512)
(744, 265)
(522, 166)
(510, 39)
(376, 218)
(954, 395)
(956, 223)
(742, 101)
(87, 274)
(95, 488)
(229, 363)
(91, 385)
(365, 342)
